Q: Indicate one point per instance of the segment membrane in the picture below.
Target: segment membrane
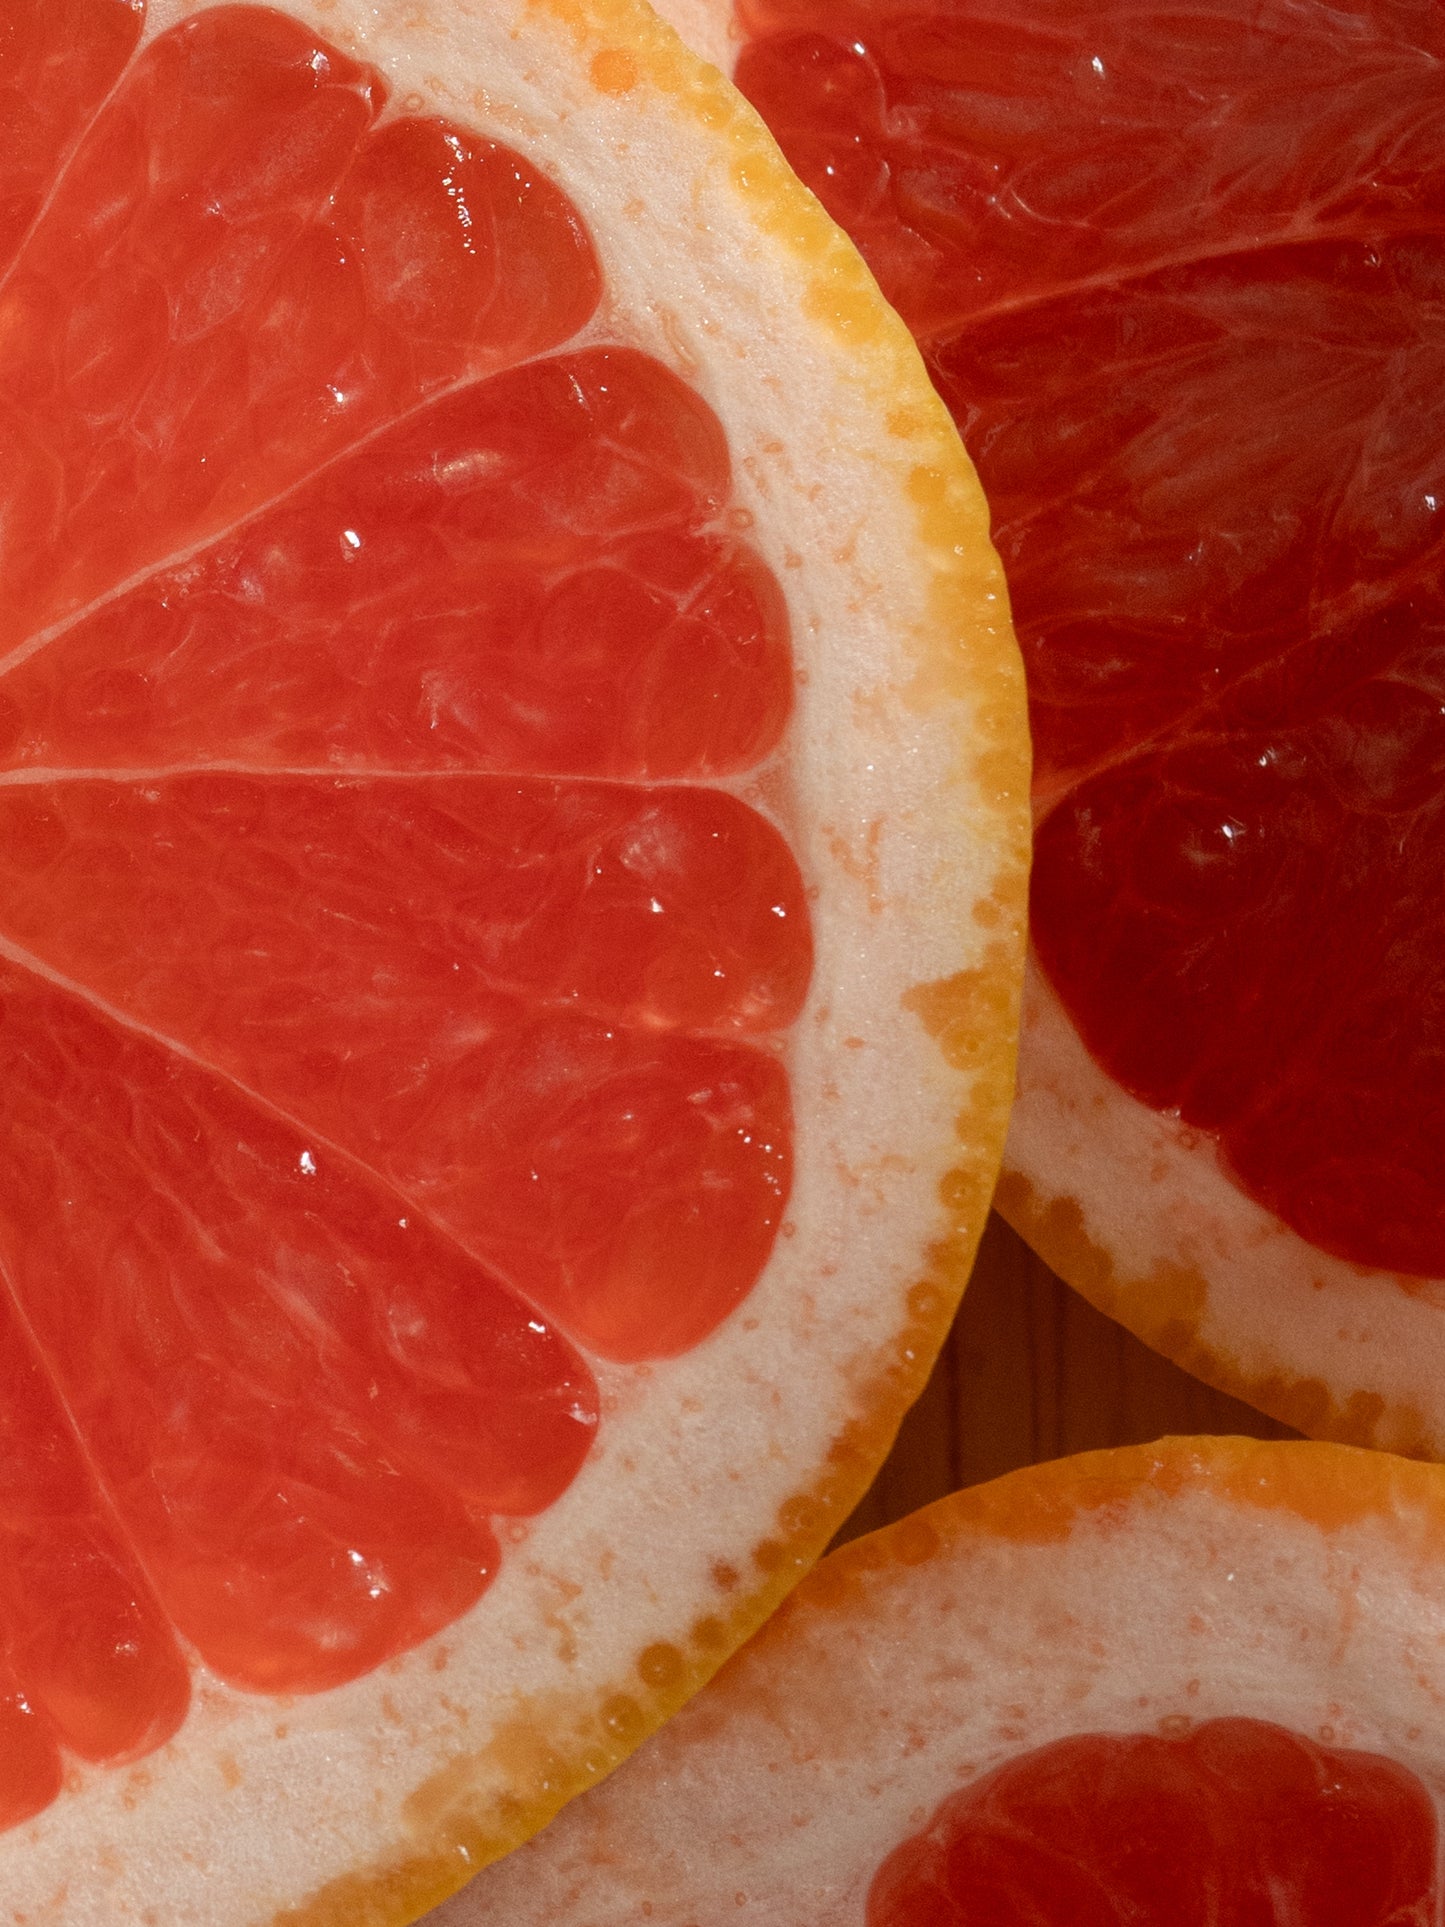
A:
(58, 60)
(482, 989)
(91, 1660)
(530, 574)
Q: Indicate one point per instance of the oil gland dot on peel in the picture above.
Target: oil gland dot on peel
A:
(614, 71)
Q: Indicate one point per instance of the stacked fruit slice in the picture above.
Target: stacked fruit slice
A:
(1190, 1685)
(511, 835)
(1177, 276)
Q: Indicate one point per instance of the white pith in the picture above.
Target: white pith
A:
(258, 1803)
(1152, 1194)
(773, 1798)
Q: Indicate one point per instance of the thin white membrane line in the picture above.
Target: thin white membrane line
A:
(1327, 617)
(33, 644)
(43, 638)
(68, 159)
(593, 335)
(36, 967)
(1388, 227)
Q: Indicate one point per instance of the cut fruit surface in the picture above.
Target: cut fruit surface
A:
(1188, 322)
(513, 793)
(1184, 1685)
(1183, 1830)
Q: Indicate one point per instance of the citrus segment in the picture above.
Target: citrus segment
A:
(509, 759)
(303, 1407)
(575, 1126)
(666, 909)
(251, 277)
(89, 1656)
(1291, 936)
(1183, 1685)
(1234, 1822)
(528, 575)
(30, 1761)
(1185, 321)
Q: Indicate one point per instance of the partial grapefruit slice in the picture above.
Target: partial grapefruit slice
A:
(1177, 276)
(512, 789)
(1186, 1685)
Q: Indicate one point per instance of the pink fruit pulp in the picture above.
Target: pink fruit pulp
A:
(389, 1003)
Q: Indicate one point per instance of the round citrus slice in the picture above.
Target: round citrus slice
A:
(1187, 320)
(1194, 1684)
(512, 790)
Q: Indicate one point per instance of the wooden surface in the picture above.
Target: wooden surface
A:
(1031, 1372)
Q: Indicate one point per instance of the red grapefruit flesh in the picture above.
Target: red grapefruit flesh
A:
(1233, 1822)
(1178, 278)
(90, 1662)
(448, 855)
(1186, 1685)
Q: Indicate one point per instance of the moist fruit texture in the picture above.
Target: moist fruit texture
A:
(412, 902)
(1178, 278)
(1183, 1685)
(1235, 1823)
(256, 899)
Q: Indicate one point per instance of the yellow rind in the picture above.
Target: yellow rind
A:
(1166, 1310)
(573, 1751)
(1323, 1484)
(952, 513)
(583, 1748)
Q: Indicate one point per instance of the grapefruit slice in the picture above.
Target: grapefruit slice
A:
(1177, 276)
(512, 788)
(1194, 1684)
